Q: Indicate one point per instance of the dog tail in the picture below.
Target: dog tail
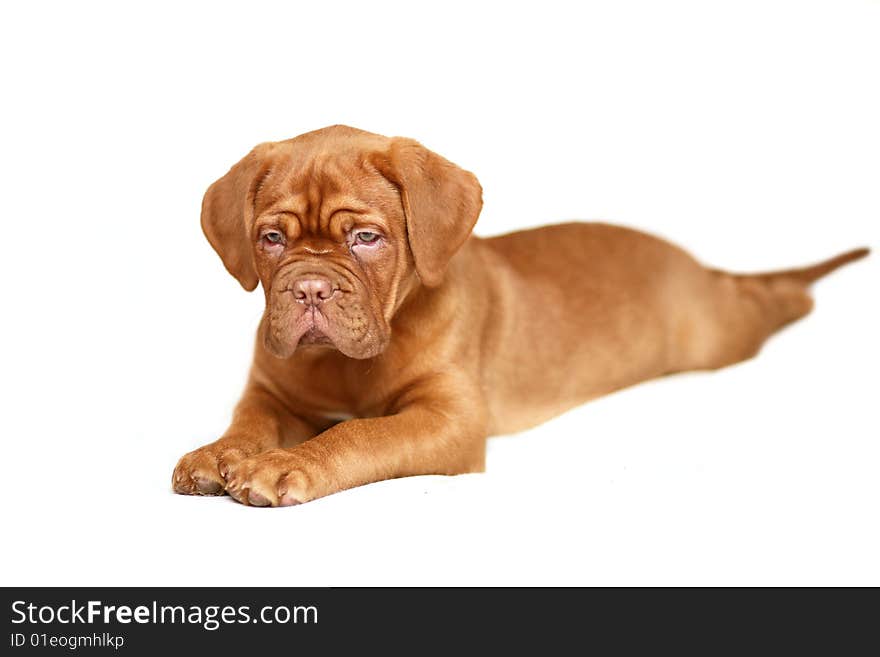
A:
(745, 309)
(808, 275)
(783, 296)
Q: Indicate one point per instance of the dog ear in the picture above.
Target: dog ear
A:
(441, 202)
(227, 214)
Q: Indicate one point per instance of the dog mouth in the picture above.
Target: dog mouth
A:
(313, 328)
(315, 336)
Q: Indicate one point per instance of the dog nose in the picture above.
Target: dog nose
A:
(312, 291)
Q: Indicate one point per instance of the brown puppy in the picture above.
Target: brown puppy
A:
(393, 343)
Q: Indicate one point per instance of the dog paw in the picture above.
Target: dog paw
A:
(203, 471)
(273, 478)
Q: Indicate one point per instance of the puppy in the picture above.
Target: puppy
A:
(394, 343)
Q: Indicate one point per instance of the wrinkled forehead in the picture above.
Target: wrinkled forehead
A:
(314, 178)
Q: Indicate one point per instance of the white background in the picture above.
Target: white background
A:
(747, 132)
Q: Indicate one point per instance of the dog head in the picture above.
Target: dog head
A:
(338, 225)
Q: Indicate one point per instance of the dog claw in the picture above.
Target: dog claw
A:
(240, 496)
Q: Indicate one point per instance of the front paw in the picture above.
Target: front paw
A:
(203, 471)
(273, 478)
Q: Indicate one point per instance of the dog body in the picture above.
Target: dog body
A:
(394, 342)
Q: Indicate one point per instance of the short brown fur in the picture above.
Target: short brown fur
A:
(401, 356)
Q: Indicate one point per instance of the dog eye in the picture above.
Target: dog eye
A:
(274, 237)
(366, 237)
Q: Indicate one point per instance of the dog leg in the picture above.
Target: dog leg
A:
(260, 423)
(424, 437)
